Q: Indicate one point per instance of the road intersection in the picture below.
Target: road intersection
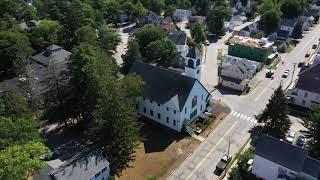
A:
(235, 128)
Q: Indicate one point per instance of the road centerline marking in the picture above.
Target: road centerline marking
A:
(212, 149)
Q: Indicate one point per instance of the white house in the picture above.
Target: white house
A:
(179, 38)
(182, 14)
(235, 72)
(306, 92)
(88, 165)
(169, 98)
(275, 159)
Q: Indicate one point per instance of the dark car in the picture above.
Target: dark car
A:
(307, 55)
(269, 73)
(222, 164)
(300, 64)
(300, 141)
(314, 46)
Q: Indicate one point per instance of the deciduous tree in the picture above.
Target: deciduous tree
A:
(15, 51)
(198, 34)
(271, 16)
(21, 161)
(109, 39)
(215, 19)
(147, 35)
(45, 34)
(163, 52)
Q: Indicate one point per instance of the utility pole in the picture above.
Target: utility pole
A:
(294, 68)
(228, 149)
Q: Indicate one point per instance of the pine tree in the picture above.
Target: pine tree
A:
(275, 115)
(312, 133)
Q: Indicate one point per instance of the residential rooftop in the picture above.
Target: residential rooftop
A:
(161, 84)
(178, 37)
(309, 78)
(82, 166)
(251, 42)
(287, 155)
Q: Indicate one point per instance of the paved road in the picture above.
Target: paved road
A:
(234, 129)
(122, 47)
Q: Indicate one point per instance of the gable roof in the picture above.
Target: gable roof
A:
(239, 67)
(52, 54)
(178, 37)
(283, 34)
(161, 84)
(312, 167)
(288, 22)
(309, 79)
(287, 155)
(282, 153)
(80, 167)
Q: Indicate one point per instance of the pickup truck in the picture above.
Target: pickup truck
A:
(223, 163)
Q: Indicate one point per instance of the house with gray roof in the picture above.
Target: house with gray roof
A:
(169, 98)
(276, 159)
(235, 72)
(306, 92)
(179, 38)
(288, 25)
(88, 165)
(50, 62)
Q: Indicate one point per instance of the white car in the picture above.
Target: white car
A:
(290, 137)
(207, 42)
(285, 74)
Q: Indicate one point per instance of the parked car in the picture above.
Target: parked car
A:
(314, 46)
(307, 55)
(290, 137)
(285, 74)
(207, 42)
(269, 73)
(300, 64)
(300, 141)
(222, 164)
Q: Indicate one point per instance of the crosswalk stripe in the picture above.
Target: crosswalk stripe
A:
(238, 114)
(252, 120)
(241, 116)
(233, 113)
(255, 121)
(248, 119)
(244, 117)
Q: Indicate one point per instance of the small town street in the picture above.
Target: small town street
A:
(235, 128)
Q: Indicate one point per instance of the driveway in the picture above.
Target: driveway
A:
(122, 47)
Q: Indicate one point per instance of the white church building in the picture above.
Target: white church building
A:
(169, 98)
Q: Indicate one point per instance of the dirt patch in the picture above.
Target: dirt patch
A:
(159, 154)
(219, 118)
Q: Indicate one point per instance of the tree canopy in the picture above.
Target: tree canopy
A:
(198, 34)
(271, 15)
(312, 134)
(292, 8)
(14, 52)
(216, 18)
(45, 34)
(275, 115)
(163, 52)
